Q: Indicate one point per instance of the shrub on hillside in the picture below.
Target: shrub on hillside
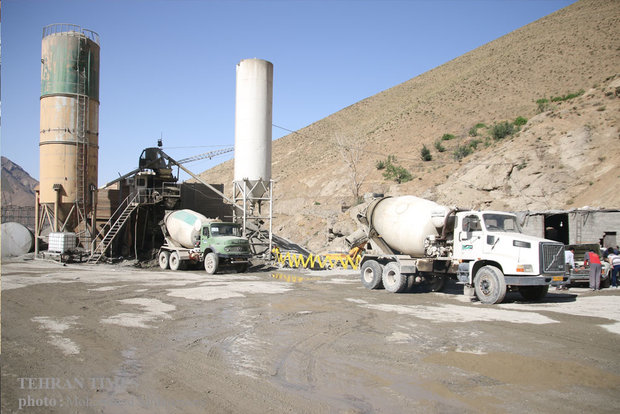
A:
(462, 151)
(425, 154)
(543, 105)
(447, 137)
(473, 144)
(502, 130)
(520, 121)
(439, 147)
(381, 165)
(397, 173)
(394, 172)
(567, 96)
(473, 131)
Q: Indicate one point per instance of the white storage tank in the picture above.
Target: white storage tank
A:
(16, 239)
(184, 226)
(404, 222)
(253, 118)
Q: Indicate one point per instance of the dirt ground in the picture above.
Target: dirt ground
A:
(117, 339)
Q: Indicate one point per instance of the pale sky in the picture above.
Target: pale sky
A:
(168, 67)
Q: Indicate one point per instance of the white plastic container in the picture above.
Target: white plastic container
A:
(61, 242)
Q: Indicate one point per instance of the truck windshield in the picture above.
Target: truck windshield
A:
(501, 222)
(223, 229)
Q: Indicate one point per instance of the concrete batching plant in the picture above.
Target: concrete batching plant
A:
(69, 130)
(252, 186)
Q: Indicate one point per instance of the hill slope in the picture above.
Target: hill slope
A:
(17, 185)
(551, 163)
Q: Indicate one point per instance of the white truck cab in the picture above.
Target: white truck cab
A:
(494, 239)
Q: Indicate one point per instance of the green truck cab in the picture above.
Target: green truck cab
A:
(222, 244)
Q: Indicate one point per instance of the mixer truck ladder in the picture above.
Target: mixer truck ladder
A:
(118, 224)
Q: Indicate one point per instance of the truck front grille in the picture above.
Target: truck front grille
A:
(551, 258)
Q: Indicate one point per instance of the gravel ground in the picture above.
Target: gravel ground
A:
(117, 339)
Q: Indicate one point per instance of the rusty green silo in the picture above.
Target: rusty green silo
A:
(69, 125)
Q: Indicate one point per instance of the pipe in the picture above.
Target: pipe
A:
(56, 202)
(36, 223)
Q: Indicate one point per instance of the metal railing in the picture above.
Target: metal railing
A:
(132, 198)
(155, 195)
(58, 28)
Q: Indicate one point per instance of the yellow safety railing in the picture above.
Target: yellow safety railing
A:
(317, 262)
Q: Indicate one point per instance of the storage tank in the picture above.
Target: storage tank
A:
(16, 239)
(184, 226)
(404, 222)
(253, 117)
(69, 124)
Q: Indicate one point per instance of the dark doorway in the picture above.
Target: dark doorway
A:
(556, 227)
(609, 239)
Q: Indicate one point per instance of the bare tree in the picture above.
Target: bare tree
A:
(351, 149)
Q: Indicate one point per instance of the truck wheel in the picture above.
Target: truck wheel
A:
(164, 259)
(393, 280)
(372, 272)
(533, 292)
(211, 263)
(175, 262)
(490, 285)
(436, 283)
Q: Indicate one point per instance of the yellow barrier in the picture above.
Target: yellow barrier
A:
(294, 278)
(297, 260)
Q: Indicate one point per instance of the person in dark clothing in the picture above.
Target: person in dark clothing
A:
(614, 261)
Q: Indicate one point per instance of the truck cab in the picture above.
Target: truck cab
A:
(493, 241)
(222, 244)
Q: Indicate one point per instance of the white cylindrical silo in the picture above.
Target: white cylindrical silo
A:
(253, 117)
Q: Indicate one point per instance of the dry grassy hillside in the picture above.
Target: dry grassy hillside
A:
(564, 157)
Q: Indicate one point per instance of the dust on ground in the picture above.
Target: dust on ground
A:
(102, 338)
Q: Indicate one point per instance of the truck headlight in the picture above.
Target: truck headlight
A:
(525, 268)
(519, 243)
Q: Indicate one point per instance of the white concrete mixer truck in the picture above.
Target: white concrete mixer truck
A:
(192, 239)
(411, 240)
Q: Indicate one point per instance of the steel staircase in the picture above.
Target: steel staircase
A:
(130, 207)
